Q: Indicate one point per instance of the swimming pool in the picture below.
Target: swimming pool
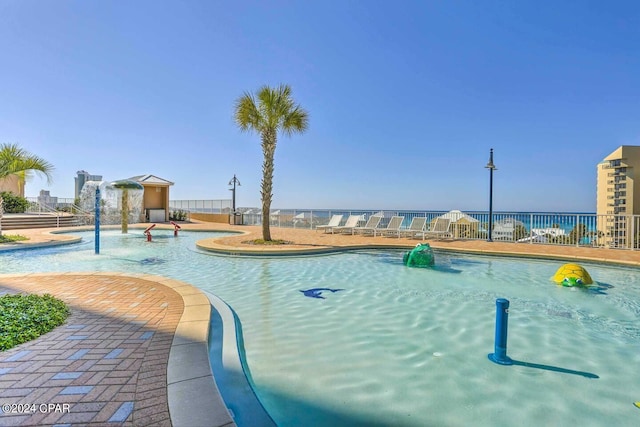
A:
(399, 346)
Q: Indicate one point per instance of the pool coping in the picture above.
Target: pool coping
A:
(547, 257)
(209, 246)
(241, 393)
(189, 351)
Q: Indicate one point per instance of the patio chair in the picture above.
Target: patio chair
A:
(370, 227)
(393, 228)
(416, 227)
(439, 228)
(333, 222)
(348, 226)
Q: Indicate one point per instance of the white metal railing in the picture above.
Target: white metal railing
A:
(56, 204)
(51, 205)
(576, 229)
(36, 207)
(202, 206)
(618, 231)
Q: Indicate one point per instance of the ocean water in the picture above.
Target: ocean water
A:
(565, 221)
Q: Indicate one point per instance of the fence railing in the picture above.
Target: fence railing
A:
(202, 206)
(53, 205)
(576, 229)
(58, 204)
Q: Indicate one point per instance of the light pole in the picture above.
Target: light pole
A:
(491, 168)
(233, 182)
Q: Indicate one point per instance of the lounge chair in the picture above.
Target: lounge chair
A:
(370, 227)
(439, 228)
(416, 227)
(393, 228)
(333, 222)
(348, 226)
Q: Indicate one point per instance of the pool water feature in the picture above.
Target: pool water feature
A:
(399, 346)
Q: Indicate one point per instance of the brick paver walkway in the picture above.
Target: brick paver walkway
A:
(107, 365)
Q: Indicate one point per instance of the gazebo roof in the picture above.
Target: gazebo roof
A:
(456, 215)
(151, 180)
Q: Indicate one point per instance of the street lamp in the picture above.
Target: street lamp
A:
(491, 168)
(233, 182)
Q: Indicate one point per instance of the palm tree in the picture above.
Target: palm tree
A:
(16, 161)
(274, 111)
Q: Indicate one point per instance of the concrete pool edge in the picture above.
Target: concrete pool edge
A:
(189, 375)
(231, 369)
(257, 253)
(545, 257)
(283, 252)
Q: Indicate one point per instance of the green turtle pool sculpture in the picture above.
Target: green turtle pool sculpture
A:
(572, 275)
(420, 256)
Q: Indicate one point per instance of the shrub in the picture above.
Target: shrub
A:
(178, 215)
(13, 203)
(26, 317)
(10, 238)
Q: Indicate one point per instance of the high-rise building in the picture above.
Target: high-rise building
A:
(84, 176)
(618, 196)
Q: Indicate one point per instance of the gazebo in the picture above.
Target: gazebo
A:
(462, 224)
(155, 203)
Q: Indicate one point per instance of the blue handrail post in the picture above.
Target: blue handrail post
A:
(500, 346)
(97, 221)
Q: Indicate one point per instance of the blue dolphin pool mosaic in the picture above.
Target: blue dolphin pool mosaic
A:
(317, 292)
(152, 261)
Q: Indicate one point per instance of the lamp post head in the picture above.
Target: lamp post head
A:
(234, 181)
(490, 165)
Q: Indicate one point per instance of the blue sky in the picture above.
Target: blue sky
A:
(405, 98)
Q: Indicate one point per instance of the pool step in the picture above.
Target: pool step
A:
(23, 221)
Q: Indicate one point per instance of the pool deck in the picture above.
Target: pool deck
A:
(133, 352)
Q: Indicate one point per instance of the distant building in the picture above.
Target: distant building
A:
(618, 195)
(84, 176)
(45, 199)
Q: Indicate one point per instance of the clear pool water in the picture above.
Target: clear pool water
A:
(404, 347)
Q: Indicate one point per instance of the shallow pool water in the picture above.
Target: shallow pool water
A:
(389, 345)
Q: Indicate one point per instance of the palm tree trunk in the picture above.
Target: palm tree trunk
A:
(125, 211)
(268, 148)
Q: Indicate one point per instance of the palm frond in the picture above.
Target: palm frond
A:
(247, 114)
(15, 160)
